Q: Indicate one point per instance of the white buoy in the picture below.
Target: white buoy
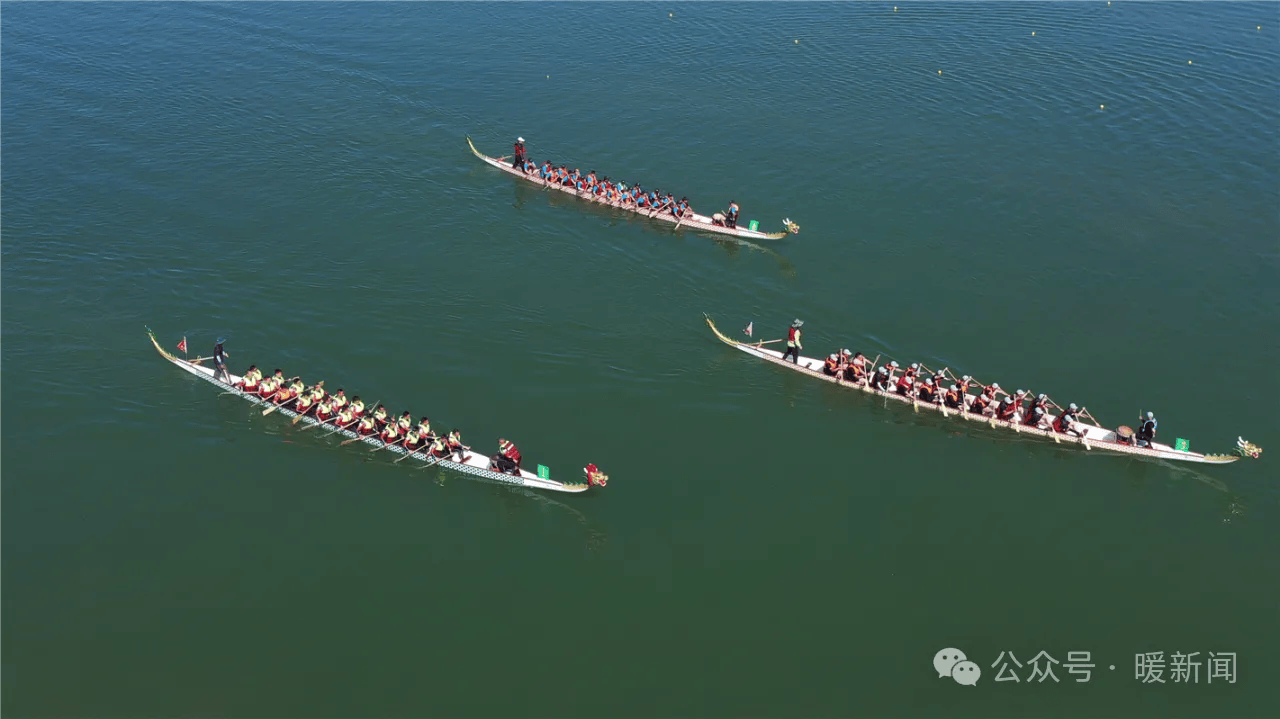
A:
(939, 72)
(1188, 62)
(1103, 107)
(1033, 33)
(671, 14)
(895, 8)
(797, 42)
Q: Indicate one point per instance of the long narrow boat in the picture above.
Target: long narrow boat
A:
(476, 465)
(693, 221)
(1095, 437)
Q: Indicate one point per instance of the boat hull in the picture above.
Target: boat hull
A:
(694, 221)
(1095, 438)
(476, 466)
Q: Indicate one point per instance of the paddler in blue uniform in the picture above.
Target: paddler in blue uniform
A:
(793, 342)
(220, 356)
(518, 160)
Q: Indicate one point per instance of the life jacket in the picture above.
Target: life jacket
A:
(832, 364)
(391, 431)
(346, 416)
(511, 453)
(304, 403)
(1062, 422)
(952, 398)
(358, 406)
(926, 392)
(411, 439)
(519, 149)
(405, 423)
(380, 415)
(1035, 413)
(1007, 411)
(366, 425)
(793, 336)
(438, 447)
(978, 405)
(455, 440)
(424, 428)
(338, 401)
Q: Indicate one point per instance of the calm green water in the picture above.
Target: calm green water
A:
(294, 176)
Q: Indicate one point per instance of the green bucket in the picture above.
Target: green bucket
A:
(753, 226)
(544, 472)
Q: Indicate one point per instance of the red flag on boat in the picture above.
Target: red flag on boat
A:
(749, 326)
(182, 346)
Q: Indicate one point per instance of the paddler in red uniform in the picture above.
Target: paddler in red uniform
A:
(1066, 422)
(1008, 410)
(519, 158)
(793, 342)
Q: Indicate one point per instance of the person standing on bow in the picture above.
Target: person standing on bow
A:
(518, 161)
(1147, 430)
(220, 356)
(793, 342)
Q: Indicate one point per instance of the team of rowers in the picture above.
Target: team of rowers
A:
(953, 392)
(336, 410)
(654, 201)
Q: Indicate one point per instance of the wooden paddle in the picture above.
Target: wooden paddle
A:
(679, 223)
(305, 412)
(410, 452)
(769, 342)
(275, 407)
(386, 444)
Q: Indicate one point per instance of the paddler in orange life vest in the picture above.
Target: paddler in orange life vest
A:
(928, 390)
(908, 380)
(518, 160)
(980, 404)
(793, 342)
(856, 368)
(831, 367)
(952, 397)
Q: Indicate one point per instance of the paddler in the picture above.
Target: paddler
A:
(390, 433)
(324, 409)
(793, 342)
(928, 390)
(405, 422)
(731, 217)
(438, 448)
(411, 440)
(682, 207)
(367, 426)
(346, 416)
(1035, 416)
(1008, 410)
(907, 382)
(1066, 422)
(980, 404)
(855, 367)
(831, 367)
(1147, 430)
(339, 399)
(952, 397)
(424, 428)
(880, 380)
(380, 415)
(519, 158)
(545, 172)
(455, 446)
(249, 381)
(357, 406)
(220, 356)
(993, 390)
(304, 404)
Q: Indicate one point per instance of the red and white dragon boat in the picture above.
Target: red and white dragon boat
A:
(693, 221)
(1094, 437)
(476, 465)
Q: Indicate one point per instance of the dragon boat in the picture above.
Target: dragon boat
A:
(1094, 436)
(476, 465)
(692, 220)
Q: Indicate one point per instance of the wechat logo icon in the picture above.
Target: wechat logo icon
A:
(953, 663)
